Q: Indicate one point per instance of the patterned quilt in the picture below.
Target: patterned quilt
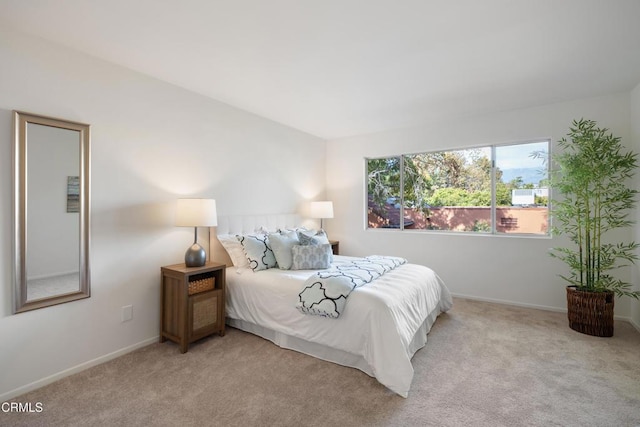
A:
(325, 293)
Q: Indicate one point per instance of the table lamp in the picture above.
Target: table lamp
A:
(196, 213)
(321, 210)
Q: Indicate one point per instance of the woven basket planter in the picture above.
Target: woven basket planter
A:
(590, 313)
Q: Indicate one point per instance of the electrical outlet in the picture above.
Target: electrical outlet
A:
(127, 313)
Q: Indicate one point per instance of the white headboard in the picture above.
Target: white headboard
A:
(242, 224)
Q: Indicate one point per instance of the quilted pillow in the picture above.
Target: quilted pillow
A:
(256, 248)
(234, 248)
(311, 257)
(281, 244)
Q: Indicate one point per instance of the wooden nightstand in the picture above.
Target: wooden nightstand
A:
(335, 246)
(192, 303)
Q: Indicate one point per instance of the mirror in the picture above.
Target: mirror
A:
(52, 211)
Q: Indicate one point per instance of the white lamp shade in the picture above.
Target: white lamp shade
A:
(321, 209)
(196, 213)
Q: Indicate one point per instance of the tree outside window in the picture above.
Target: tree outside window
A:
(461, 190)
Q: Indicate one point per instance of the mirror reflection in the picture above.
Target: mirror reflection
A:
(52, 211)
(53, 217)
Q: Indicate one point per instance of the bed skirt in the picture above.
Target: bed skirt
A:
(333, 355)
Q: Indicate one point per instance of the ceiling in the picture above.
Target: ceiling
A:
(336, 68)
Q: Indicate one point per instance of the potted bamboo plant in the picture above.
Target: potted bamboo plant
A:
(591, 174)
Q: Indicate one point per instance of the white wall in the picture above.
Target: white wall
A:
(151, 143)
(635, 137)
(509, 269)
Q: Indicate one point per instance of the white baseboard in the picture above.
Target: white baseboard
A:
(53, 275)
(507, 302)
(73, 370)
(539, 307)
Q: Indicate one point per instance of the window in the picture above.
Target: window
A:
(494, 189)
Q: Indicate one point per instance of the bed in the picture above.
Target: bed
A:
(384, 322)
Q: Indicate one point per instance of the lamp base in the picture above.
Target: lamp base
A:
(195, 256)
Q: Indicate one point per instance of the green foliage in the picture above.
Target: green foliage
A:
(591, 174)
(481, 226)
(383, 181)
(449, 178)
(503, 194)
(541, 201)
(517, 182)
(459, 197)
(449, 196)
(415, 184)
(479, 198)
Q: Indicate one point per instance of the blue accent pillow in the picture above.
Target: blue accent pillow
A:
(307, 239)
(312, 238)
(258, 251)
(311, 257)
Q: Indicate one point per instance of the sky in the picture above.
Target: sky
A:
(518, 156)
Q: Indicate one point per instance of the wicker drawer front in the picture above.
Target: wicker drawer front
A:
(205, 312)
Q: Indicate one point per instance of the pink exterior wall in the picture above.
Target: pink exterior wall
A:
(508, 219)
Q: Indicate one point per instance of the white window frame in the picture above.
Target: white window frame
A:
(493, 148)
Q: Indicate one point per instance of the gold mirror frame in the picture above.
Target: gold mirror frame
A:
(20, 122)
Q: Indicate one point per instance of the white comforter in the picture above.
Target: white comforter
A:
(384, 322)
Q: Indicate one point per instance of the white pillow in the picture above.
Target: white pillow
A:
(256, 248)
(287, 229)
(234, 248)
(281, 244)
(262, 229)
(311, 257)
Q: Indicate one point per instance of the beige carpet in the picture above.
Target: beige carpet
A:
(484, 365)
